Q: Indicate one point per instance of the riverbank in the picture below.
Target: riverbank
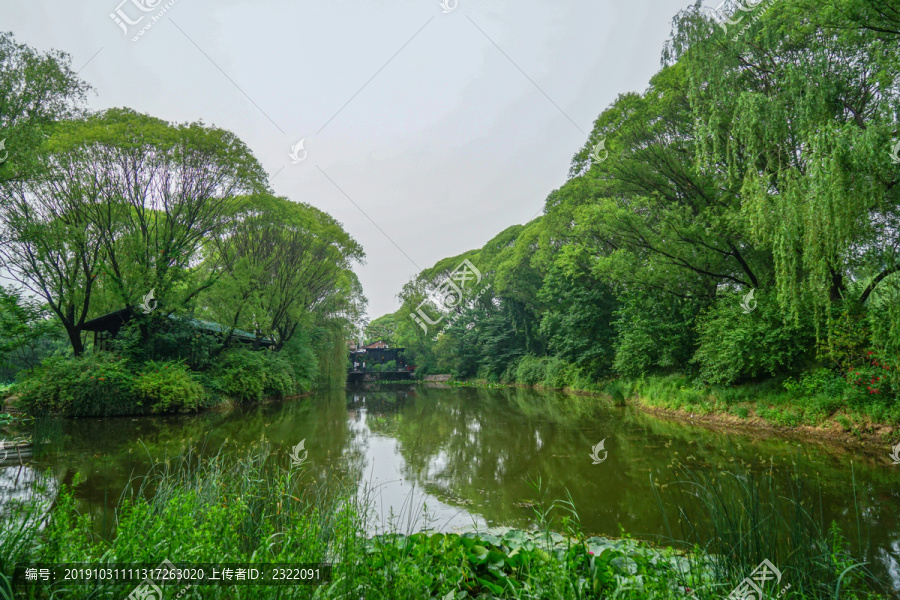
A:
(101, 384)
(784, 407)
(256, 509)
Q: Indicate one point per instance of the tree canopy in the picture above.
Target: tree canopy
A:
(756, 170)
(102, 210)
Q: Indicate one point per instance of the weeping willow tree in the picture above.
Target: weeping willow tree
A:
(337, 320)
(332, 355)
(797, 118)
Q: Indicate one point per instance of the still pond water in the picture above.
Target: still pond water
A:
(471, 457)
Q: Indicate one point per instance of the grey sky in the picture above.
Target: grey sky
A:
(449, 144)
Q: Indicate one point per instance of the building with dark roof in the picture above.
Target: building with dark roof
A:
(107, 327)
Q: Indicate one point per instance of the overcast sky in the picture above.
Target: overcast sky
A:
(443, 127)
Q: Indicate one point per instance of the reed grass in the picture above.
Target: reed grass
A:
(254, 506)
(741, 517)
(23, 519)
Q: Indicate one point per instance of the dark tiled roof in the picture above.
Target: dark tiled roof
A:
(116, 319)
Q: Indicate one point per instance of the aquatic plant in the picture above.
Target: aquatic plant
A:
(742, 517)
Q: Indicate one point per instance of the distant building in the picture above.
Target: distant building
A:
(370, 363)
(377, 344)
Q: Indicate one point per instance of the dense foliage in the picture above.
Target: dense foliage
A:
(168, 387)
(251, 376)
(743, 226)
(91, 385)
(172, 223)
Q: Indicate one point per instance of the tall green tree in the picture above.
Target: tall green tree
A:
(36, 90)
(285, 262)
(382, 328)
(798, 117)
(49, 244)
(25, 325)
(166, 190)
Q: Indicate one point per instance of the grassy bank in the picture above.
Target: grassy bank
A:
(818, 402)
(255, 508)
(815, 404)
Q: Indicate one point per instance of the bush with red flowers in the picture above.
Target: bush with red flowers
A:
(872, 378)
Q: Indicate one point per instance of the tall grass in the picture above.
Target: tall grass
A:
(23, 517)
(741, 517)
(215, 509)
(816, 399)
(256, 507)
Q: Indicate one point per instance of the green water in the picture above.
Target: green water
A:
(467, 456)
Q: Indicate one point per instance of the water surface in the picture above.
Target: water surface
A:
(452, 458)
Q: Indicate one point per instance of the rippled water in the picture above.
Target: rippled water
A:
(474, 457)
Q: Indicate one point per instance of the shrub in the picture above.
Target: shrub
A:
(557, 373)
(735, 345)
(818, 382)
(531, 369)
(655, 334)
(168, 387)
(389, 366)
(167, 339)
(872, 378)
(98, 384)
(301, 355)
(248, 375)
(618, 392)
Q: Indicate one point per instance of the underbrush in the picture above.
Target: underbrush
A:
(101, 384)
(98, 384)
(858, 397)
(249, 376)
(552, 372)
(168, 387)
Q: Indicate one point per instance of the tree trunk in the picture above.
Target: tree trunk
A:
(837, 286)
(75, 339)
